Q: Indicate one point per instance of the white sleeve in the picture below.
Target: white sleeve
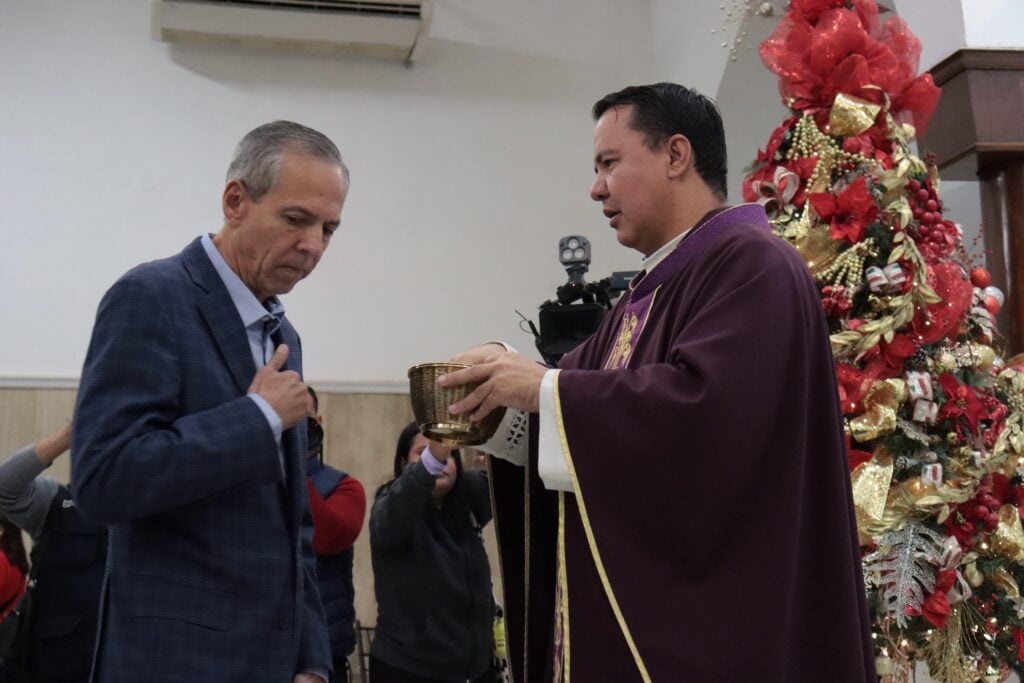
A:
(511, 439)
(552, 467)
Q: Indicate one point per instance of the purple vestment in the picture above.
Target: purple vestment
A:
(711, 537)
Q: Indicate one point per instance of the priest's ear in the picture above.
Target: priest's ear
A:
(680, 155)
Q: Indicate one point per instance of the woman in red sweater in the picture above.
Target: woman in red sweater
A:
(13, 567)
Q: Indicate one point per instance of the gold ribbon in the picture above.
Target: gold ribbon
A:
(1008, 538)
(881, 403)
(1005, 580)
(852, 115)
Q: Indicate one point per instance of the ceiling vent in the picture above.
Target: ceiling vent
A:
(385, 29)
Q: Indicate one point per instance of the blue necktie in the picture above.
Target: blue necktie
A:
(272, 331)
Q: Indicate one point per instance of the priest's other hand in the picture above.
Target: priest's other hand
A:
(505, 379)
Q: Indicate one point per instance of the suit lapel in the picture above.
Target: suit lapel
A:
(221, 315)
(230, 336)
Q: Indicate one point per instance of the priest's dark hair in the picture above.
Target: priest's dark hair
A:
(662, 110)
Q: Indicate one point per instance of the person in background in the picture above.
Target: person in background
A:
(431, 574)
(13, 567)
(69, 552)
(338, 503)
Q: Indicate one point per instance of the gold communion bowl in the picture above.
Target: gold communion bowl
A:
(430, 403)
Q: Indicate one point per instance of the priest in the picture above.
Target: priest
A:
(683, 512)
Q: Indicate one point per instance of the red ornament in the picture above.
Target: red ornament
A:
(923, 194)
(992, 305)
(980, 277)
(928, 218)
(932, 205)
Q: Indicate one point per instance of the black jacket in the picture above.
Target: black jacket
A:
(432, 578)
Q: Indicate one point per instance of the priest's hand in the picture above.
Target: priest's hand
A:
(478, 354)
(505, 379)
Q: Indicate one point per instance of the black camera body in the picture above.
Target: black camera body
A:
(564, 323)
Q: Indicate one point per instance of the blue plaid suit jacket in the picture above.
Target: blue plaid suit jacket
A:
(210, 573)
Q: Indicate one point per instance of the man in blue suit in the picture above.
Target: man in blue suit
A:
(190, 434)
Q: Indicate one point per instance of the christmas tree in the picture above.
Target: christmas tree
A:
(934, 414)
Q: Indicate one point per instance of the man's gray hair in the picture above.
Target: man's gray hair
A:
(258, 157)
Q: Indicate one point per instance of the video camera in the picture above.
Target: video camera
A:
(565, 324)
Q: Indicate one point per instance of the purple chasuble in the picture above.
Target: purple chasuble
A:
(711, 537)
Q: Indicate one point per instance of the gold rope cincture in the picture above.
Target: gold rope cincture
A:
(561, 662)
(501, 564)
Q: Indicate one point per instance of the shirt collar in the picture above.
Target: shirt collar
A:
(249, 307)
(658, 256)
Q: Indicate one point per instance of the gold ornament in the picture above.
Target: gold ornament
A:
(817, 248)
(985, 355)
(852, 115)
(1008, 538)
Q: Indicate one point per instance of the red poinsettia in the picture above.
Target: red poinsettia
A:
(893, 353)
(961, 402)
(936, 607)
(849, 213)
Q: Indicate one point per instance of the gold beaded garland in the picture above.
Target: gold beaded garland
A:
(848, 268)
(809, 141)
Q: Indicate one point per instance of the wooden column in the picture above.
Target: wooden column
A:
(1002, 204)
(977, 133)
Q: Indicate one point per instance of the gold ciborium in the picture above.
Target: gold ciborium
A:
(430, 403)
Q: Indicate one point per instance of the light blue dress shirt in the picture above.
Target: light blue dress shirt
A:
(253, 315)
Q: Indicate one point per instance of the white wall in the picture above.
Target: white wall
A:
(688, 38)
(466, 169)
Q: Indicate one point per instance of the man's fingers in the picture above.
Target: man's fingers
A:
(471, 375)
(483, 410)
(457, 378)
(276, 361)
(471, 402)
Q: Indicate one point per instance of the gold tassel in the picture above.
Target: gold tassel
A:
(948, 652)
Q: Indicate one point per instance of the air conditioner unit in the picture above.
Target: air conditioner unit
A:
(371, 28)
